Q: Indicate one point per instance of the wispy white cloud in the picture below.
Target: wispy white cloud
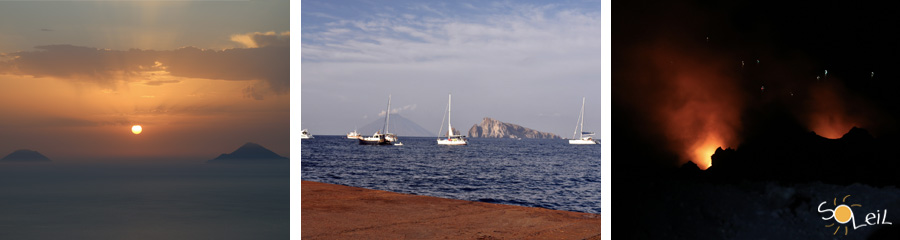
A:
(428, 8)
(398, 110)
(322, 15)
(525, 30)
(258, 39)
(521, 56)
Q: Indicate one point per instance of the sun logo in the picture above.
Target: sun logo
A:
(841, 213)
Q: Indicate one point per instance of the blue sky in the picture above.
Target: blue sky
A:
(524, 62)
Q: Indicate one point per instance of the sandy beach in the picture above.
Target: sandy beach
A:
(340, 212)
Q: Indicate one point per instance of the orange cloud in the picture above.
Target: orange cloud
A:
(266, 66)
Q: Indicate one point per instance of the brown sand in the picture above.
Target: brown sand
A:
(340, 212)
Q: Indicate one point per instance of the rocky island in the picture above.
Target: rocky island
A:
(491, 128)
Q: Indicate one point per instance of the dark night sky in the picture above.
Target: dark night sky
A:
(677, 97)
(662, 62)
(846, 38)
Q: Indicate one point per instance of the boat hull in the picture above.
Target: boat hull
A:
(378, 140)
(582, 141)
(452, 142)
(374, 142)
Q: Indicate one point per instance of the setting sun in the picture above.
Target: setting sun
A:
(136, 129)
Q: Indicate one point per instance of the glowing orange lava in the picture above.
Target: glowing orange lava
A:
(831, 126)
(833, 111)
(702, 151)
(698, 102)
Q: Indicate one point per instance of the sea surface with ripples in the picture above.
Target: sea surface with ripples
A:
(58, 200)
(547, 173)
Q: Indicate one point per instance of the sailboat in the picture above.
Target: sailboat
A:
(382, 137)
(451, 139)
(584, 137)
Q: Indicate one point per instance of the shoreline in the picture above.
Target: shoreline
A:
(331, 211)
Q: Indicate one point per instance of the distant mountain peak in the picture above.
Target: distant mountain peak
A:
(249, 152)
(857, 134)
(25, 155)
(492, 128)
(251, 146)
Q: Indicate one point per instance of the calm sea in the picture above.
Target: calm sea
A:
(529, 172)
(104, 201)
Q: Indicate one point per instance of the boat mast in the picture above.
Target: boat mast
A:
(387, 116)
(449, 128)
(581, 131)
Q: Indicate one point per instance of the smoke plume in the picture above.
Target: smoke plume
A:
(700, 105)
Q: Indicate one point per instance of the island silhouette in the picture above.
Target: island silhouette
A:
(250, 153)
(25, 155)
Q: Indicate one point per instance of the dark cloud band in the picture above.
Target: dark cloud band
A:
(268, 64)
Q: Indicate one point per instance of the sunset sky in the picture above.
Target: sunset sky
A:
(523, 62)
(201, 77)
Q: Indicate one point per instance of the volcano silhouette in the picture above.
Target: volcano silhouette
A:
(798, 156)
(400, 125)
(250, 153)
(25, 155)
